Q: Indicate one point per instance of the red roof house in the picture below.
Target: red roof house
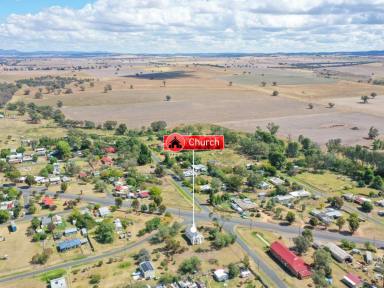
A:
(143, 194)
(106, 160)
(47, 201)
(82, 175)
(110, 149)
(352, 280)
(290, 260)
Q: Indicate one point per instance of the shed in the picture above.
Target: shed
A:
(104, 211)
(338, 253)
(70, 231)
(352, 280)
(368, 257)
(68, 244)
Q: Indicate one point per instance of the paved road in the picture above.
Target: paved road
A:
(74, 262)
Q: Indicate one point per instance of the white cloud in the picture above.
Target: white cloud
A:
(200, 26)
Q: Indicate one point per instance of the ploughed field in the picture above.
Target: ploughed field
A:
(226, 91)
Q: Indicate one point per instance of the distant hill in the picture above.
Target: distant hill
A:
(65, 54)
(80, 54)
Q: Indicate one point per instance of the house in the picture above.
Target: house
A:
(54, 180)
(147, 270)
(7, 205)
(143, 194)
(40, 180)
(47, 202)
(186, 284)
(189, 173)
(57, 220)
(58, 283)
(118, 225)
(263, 185)
(284, 199)
(82, 175)
(352, 280)
(245, 204)
(104, 211)
(27, 158)
(194, 236)
(40, 151)
(205, 188)
(276, 181)
(244, 273)
(56, 169)
(360, 200)
(199, 168)
(45, 221)
(70, 231)
(106, 160)
(368, 257)
(65, 179)
(338, 253)
(380, 203)
(292, 262)
(110, 149)
(68, 244)
(300, 194)
(220, 275)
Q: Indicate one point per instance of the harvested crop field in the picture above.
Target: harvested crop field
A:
(226, 91)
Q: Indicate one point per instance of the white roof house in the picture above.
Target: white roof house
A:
(194, 236)
(300, 194)
(284, 199)
(276, 181)
(57, 219)
(220, 275)
(189, 173)
(118, 225)
(199, 168)
(104, 211)
(205, 187)
(263, 185)
(58, 283)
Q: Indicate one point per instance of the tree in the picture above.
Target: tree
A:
(118, 202)
(64, 186)
(367, 206)
(373, 95)
(158, 125)
(318, 277)
(277, 159)
(301, 244)
(373, 133)
(30, 180)
(293, 149)
(4, 216)
(336, 202)
(63, 149)
(145, 156)
(105, 232)
(159, 171)
(136, 204)
(246, 261)
(121, 129)
(340, 222)
(38, 95)
(109, 125)
(35, 223)
(322, 261)
(310, 106)
(59, 104)
(354, 223)
(272, 128)
(190, 265)
(275, 93)
(377, 183)
(233, 270)
(331, 105)
(290, 217)
(307, 233)
(365, 99)
(168, 98)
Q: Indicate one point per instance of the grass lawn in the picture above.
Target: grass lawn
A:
(331, 183)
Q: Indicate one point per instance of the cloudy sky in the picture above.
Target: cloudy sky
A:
(171, 26)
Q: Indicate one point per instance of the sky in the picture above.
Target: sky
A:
(192, 26)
